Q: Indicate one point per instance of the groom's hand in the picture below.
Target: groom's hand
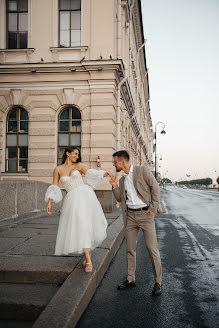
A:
(113, 181)
(150, 212)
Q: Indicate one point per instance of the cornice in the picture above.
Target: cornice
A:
(74, 67)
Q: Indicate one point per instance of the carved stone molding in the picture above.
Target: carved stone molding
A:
(135, 126)
(127, 98)
(72, 97)
(11, 55)
(5, 100)
(140, 141)
(16, 96)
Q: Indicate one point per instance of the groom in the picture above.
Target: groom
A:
(139, 195)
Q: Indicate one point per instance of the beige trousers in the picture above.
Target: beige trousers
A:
(135, 221)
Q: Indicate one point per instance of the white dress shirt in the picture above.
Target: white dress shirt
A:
(132, 199)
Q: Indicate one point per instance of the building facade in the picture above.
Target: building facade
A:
(72, 72)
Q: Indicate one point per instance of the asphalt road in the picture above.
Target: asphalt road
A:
(189, 243)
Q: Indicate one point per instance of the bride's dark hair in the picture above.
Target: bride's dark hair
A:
(70, 150)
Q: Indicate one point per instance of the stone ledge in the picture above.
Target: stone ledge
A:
(28, 269)
(18, 50)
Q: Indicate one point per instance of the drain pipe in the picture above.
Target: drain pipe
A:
(130, 25)
(118, 107)
(118, 113)
(119, 28)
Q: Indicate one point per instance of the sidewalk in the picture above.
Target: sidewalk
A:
(36, 285)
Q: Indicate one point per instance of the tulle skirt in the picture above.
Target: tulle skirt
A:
(82, 222)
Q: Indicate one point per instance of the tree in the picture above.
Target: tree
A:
(199, 182)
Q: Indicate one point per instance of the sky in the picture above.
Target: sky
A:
(182, 53)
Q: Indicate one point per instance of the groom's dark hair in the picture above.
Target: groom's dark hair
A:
(122, 153)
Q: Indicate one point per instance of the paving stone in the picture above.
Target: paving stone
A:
(42, 238)
(7, 243)
(40, 226)
(19, 232)
(23, 301)
(114, 214)
(34, 249)
(110, 221)
(45, 220)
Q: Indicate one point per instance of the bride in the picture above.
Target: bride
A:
(82, 224)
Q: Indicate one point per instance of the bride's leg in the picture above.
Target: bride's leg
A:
(84, 262)
(88, 263)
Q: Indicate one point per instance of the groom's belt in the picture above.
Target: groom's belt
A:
(139, 209)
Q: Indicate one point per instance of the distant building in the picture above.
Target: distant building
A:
(72, 73)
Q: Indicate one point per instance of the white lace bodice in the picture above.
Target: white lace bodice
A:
(93, 177)
(73, 181)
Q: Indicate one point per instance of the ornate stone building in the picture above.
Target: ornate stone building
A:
(72, 72)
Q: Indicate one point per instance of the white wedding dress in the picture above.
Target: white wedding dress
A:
(82, 222)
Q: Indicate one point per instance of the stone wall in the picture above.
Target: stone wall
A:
(25, 199)
(106, 200)
(21, 199)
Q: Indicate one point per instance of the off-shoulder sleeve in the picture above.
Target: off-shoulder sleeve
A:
(53, 192)
(94, 177)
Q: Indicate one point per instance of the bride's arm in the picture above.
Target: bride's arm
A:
(94, 177)
(53, 192)
(84, 170)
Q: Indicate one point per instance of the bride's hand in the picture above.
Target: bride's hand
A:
(48, 209)
(109, 173)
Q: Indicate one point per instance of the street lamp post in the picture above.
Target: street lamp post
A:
(155, 138)
(159, 158)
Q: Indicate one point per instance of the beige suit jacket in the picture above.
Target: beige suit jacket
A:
(146, 187)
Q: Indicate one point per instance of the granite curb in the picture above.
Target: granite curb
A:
(68, 304)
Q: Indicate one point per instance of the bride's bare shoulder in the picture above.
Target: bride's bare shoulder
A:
(58, 168)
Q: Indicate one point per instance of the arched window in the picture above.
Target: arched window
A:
(16, 159)
(69, 130)
(70, 23)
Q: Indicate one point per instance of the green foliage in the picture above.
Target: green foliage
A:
(202, 182)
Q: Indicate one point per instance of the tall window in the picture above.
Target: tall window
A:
(17, 22)
(69, 130)
(17, 141)
(70, 23)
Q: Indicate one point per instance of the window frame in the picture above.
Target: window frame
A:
(59, 31)
(17, 109)
(70, 119)
(16, 12)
